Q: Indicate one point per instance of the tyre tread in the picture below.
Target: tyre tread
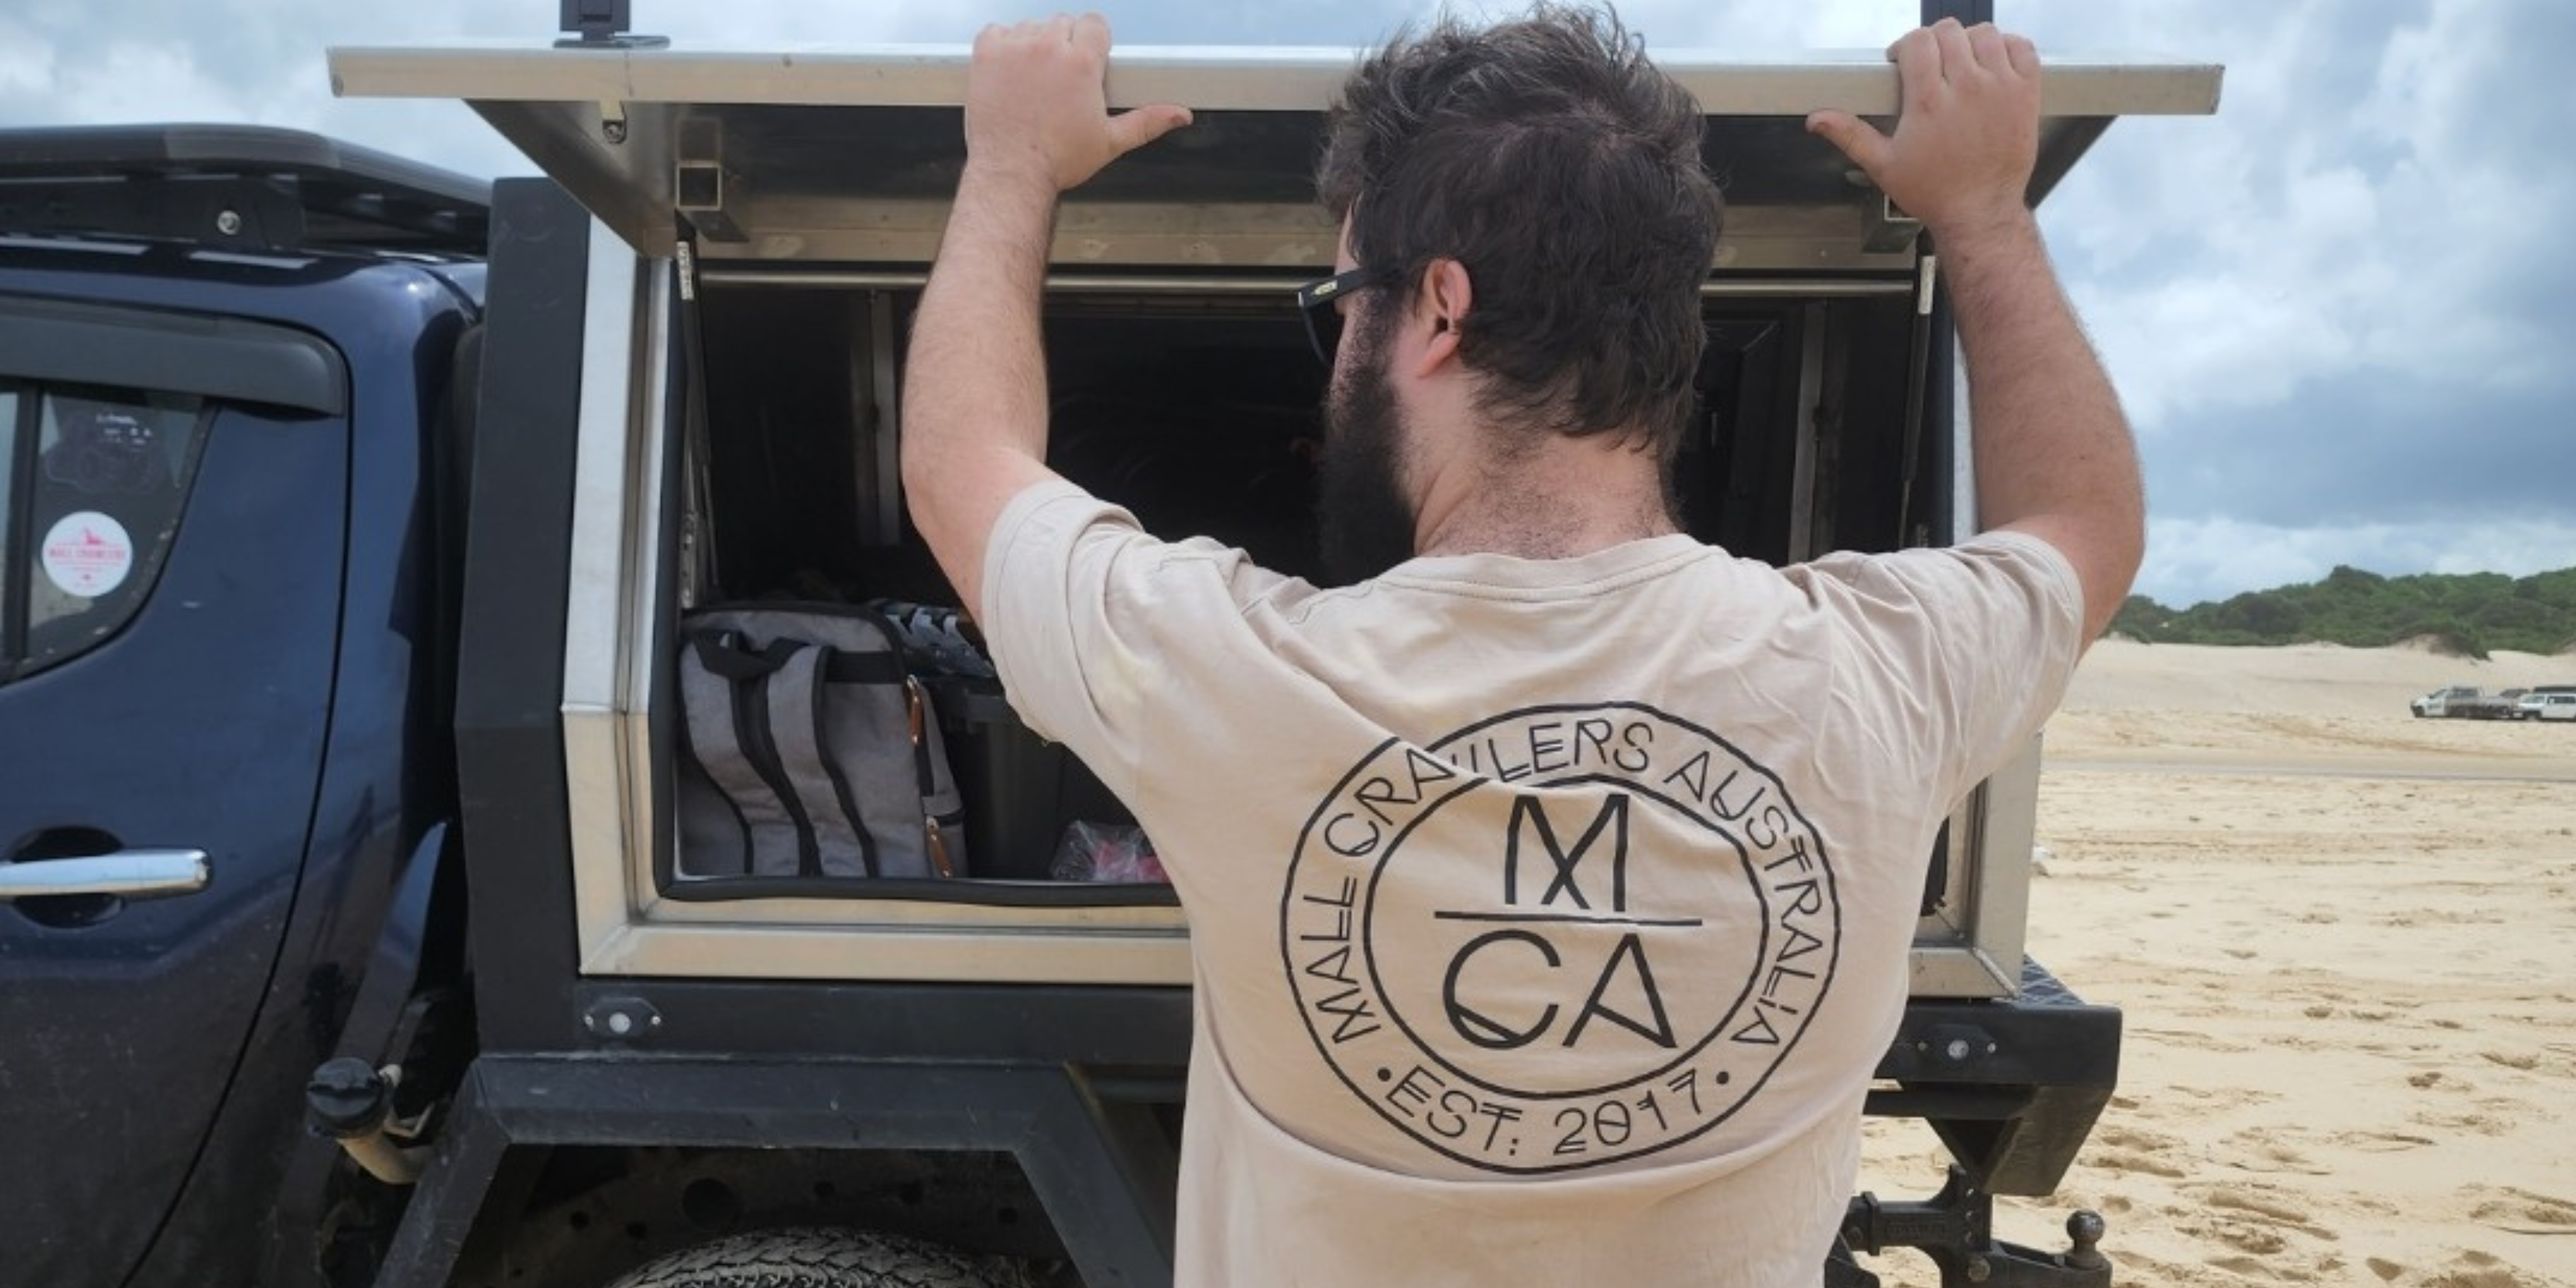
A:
(816, 1258)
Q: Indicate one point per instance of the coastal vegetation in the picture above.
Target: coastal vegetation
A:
(2469, 614)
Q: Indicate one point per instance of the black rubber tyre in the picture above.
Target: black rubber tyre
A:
(820, 1258)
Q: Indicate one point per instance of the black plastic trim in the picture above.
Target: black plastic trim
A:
(18, 522)
(1140, 1028)
(287, 189)
(2012, 1086)
(1968, 12)
(509, 724)
(973, 891)
(213, 357)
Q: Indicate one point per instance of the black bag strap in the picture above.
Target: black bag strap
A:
(866, 668)
(721, 695)
(725, 654)
(800, 733)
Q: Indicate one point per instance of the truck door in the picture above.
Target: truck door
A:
(172, 497)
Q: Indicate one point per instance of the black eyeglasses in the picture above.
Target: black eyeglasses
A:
(1316, 301)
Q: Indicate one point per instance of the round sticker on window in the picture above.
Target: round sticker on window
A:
(87, 554)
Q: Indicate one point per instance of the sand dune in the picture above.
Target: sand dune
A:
(2304, 679)
(2345, 943)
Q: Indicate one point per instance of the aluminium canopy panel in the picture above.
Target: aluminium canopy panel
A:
(850, 157)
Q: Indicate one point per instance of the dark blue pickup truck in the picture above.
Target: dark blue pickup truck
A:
(350, 516)
(228, 486)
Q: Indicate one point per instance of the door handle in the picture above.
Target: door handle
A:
(132, 874)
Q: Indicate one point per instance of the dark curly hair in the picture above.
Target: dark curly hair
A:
(1563, 170)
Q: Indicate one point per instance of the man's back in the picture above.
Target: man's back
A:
(1596, 874)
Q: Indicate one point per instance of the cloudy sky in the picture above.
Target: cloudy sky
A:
(2337, 310)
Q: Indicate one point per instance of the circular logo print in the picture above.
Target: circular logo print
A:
(1559, 938)
(87, 554)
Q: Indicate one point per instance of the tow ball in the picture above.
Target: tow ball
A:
(1955, 1229)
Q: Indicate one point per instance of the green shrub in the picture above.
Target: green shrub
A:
(2471, 613)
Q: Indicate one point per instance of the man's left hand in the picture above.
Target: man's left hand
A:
(1036, 106)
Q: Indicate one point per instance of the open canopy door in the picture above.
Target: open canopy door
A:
(850, 157)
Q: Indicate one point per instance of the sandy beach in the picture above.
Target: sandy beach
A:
(2345, 943)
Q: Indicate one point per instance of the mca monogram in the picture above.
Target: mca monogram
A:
(1559, 938)
(1626, 966)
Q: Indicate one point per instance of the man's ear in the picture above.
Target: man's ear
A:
(1439, 308)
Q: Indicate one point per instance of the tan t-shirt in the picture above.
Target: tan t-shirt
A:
(1549, 917)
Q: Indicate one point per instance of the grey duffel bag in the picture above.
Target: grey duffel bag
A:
(812, 751)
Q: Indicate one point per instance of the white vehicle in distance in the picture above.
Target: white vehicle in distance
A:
(2546, 706)
(2465, 702)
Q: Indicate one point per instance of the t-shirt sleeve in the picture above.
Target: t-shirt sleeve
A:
(1095, 626)
(1051, 573)
(1971, 646)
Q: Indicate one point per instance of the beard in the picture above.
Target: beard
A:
(1363, 519)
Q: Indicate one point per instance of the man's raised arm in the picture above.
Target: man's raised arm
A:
(975, 392)
(2054, 457)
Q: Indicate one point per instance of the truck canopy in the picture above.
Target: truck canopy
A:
(850, 156)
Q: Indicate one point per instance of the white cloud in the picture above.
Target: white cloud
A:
(263, 61)
(104, 87)
(2343, 213)
(2192, 561)
(1765, 27)
(26, 60)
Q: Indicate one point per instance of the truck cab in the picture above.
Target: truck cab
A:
(227, 488)
(578, 1043)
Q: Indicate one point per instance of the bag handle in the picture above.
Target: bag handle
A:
(794, 696)
(723, 654)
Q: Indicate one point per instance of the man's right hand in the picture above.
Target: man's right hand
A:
(1967, 136)
(2054, 458)
(1036, 105)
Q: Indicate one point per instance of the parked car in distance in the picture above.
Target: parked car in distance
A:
(2544, 705)
(2465, 702)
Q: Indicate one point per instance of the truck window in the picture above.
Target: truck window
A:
(9, 436)
(96, 482)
